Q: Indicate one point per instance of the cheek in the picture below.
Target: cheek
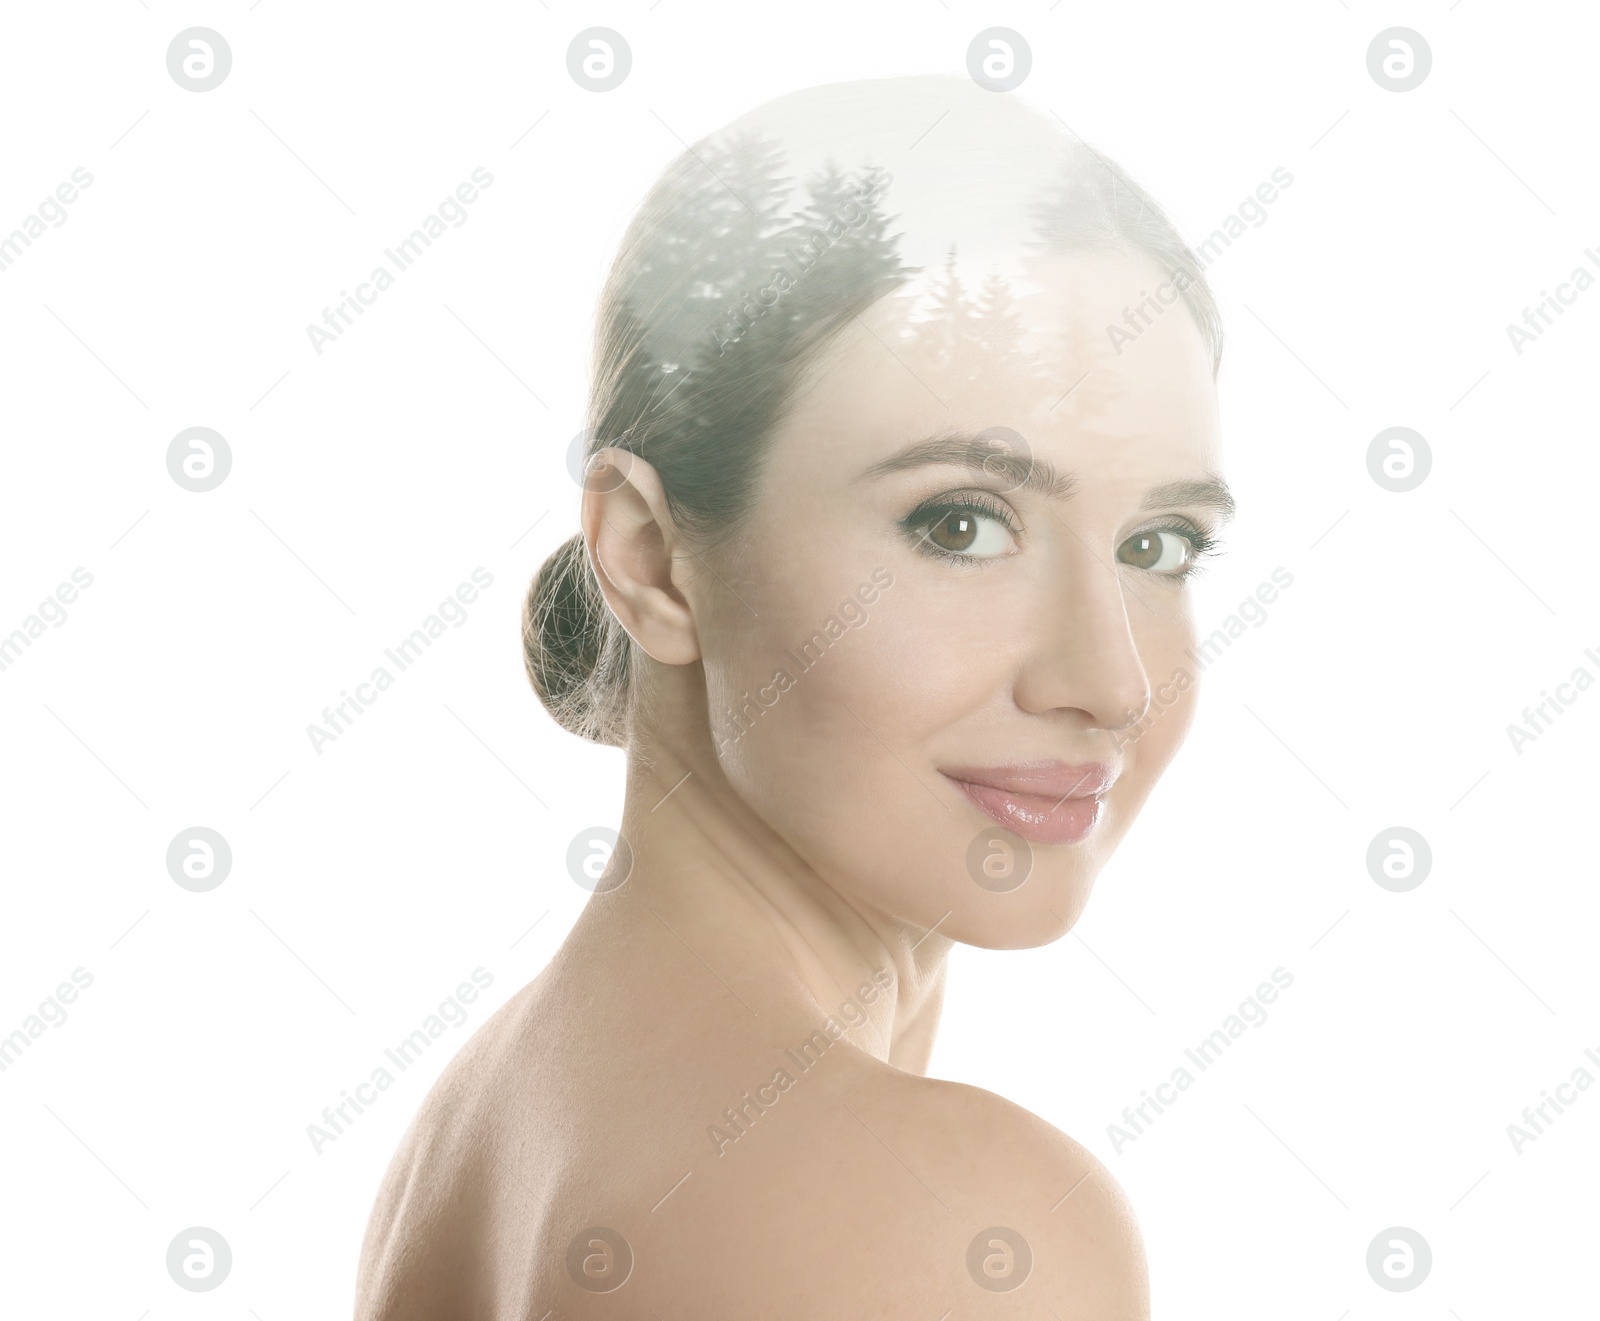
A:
(1163, 731)
(815, 653)
(829, 690)
(815, 762)
(1165, 648)
(895, 677)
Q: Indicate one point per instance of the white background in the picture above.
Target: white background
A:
(369, 481)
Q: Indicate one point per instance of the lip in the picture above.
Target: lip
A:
(1046, 802)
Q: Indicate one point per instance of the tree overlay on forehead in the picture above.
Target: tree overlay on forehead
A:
(1092, 206)
(732, 275)
(722, 290)
(962, 336)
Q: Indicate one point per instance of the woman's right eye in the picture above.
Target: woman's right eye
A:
(965, 532)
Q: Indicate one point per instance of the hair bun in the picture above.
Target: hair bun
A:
(574, 650)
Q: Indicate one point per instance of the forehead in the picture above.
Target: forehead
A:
(1094, 360)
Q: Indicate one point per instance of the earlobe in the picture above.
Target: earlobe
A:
(631, 541)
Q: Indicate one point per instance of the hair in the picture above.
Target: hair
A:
(731, 278)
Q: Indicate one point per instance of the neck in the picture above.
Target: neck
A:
(776, 932)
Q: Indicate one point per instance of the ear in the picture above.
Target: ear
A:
(632, 546)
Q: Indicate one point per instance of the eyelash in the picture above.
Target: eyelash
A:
(917, 523)
(1204, 545)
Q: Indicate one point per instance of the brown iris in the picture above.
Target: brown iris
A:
(1146, 549)
(956, 531)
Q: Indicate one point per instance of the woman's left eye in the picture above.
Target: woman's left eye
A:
(967, 533)
(1161, 551)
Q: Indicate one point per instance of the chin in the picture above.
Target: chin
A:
(1020, 919)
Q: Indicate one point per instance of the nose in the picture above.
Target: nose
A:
(1084, 657)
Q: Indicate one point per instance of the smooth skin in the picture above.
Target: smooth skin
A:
(777, 869)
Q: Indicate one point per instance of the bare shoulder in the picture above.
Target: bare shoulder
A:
(430, 1247)
(922, 1197)
(1039, 1216)
(813, 1185)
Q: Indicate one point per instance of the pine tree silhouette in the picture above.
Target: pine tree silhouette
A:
(999, 326)
(948, 343)
(839, 251)
(723, 285)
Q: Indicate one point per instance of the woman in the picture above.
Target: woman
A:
(903, 442)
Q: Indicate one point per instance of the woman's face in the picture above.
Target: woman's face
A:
(948, 684)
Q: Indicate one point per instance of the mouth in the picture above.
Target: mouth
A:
(1047, 802)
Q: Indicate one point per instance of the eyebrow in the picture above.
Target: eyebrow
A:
(1212, 492)
(969, 450)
